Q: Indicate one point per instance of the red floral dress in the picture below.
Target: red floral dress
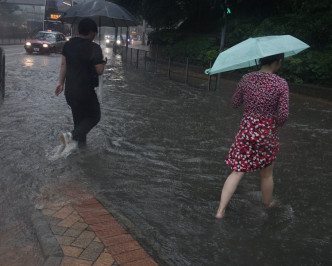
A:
(265, 97)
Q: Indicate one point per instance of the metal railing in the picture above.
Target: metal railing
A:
(182, 70)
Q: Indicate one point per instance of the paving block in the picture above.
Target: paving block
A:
(69, 220)
(56, 208)
(87, 202)
(89, 207)
(58, 230)
(79, 226)
(64, 212)
(84, 239)
(99, 219)
(116, 240)
(93, 213)
(71, 251)
(65, 240)
(73, 232)
(104, 225)
(131, 256)
(105, 259)
(124, 247)
(118, 230)
(48, 212)
(93, 251)
(143, 262)
(69, 261)
(97, 239)
(53, 220)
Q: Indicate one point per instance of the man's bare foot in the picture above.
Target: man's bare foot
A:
(220, 214)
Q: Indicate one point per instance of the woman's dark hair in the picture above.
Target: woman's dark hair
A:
(270, 59)
(86, 25)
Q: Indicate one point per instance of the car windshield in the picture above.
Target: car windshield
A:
(45, 36)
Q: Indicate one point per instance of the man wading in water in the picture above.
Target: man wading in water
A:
(82, 62)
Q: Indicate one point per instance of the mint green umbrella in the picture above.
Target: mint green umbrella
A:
(248, 52)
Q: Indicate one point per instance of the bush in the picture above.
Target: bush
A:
(165, 37)
(200, 50)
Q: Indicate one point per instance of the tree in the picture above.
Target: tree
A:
(308, 20)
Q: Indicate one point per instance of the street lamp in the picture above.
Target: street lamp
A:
(226, 11)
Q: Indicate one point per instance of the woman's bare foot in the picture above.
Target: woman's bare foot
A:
(273, 204)
(220, 214)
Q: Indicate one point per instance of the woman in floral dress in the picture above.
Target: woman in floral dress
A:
(265, 97)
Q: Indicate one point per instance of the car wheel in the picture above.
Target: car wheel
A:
(53, 50)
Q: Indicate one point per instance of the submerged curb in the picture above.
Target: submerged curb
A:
(50, 247)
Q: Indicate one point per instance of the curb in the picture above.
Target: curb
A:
(50, 247)
(134, 231)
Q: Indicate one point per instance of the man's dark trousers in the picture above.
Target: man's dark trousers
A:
(86, 114)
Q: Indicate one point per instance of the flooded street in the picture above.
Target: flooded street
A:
(156, 160)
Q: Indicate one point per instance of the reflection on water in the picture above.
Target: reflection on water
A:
(157, 156)
(28, 61)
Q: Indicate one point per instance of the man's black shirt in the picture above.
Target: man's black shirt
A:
(81, 57)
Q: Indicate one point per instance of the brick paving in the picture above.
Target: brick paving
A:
(89, 235)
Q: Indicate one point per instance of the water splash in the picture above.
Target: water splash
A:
(61, 152)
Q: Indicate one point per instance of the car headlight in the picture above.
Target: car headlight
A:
(108, 41)
(118, 42)
(28, 43)
(45, 45)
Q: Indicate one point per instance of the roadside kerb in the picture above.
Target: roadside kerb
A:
(83, 232)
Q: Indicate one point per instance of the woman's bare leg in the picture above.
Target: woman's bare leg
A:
(267, 185)
(228, 190)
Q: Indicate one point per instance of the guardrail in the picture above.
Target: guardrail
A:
(183, 70)
(189, 73)
(8, 41)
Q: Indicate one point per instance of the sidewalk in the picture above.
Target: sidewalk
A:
(83, 233)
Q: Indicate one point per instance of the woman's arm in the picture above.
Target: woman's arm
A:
(237, 99)
(283, 106)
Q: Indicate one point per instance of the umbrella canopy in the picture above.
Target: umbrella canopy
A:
(102, 12)
(248, 52)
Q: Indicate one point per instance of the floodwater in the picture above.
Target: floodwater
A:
(156, 160)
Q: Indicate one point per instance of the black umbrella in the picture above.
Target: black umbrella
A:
(102, 12)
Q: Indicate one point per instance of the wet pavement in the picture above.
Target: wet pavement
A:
(155, 162)
(86, 233)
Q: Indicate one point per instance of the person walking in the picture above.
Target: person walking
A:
(265, 97)
(82, 61)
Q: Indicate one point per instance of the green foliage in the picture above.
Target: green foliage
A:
(292, 69)
(308, 20)
(200, 50)
(309, 67)
(165, 37)
(239, 30)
